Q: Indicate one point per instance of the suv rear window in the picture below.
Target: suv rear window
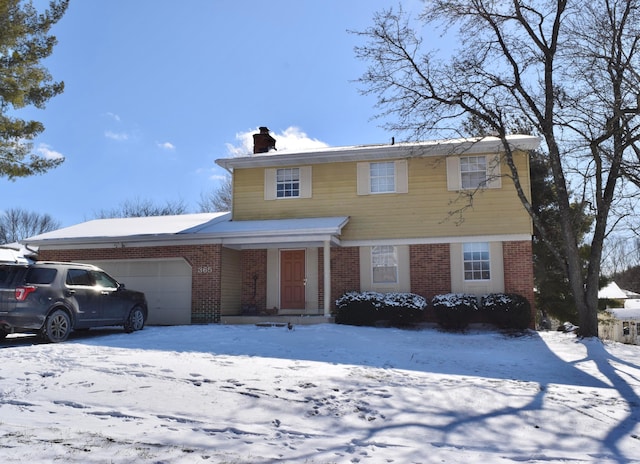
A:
(8, 275)
(37, 275)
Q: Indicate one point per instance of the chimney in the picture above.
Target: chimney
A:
(263, 142)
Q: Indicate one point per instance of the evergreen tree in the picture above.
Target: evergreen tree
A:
(24, 42)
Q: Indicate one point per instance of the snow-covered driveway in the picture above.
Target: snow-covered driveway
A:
(318, 394)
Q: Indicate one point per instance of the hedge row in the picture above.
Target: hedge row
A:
(453, 311)
(369, 308)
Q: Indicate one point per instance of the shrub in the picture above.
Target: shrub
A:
(454, 310)
(367, 308)
(507, 310)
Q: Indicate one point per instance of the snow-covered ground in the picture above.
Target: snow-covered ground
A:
(318, 394)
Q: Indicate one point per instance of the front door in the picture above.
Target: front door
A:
(292, 279)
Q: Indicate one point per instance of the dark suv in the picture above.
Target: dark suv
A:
(51, 299)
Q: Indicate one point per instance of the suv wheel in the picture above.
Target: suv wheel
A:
(135, 321)
(3, 334)
(57, 327)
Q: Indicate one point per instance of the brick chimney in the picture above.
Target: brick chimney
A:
(263, 142)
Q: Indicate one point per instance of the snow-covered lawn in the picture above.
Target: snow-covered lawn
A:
(318, 394)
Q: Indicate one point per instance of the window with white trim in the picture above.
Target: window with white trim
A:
(382, 177)
(473, 171)
(288, 183)
(477, 261)
(384, 263)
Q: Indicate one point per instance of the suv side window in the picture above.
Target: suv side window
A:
(103, 280)
(79, 277)
(37, 276)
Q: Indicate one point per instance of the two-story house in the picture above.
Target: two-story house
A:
(307, 226)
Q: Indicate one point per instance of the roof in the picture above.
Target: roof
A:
(126, 227)
(15, 253)
(195, 228)
(612, 292)
(374, 152)
(625, 313)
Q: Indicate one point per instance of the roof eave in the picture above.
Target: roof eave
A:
(375, 152)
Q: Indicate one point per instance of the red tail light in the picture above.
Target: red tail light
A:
(23, 292)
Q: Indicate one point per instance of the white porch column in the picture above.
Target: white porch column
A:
(327, 279)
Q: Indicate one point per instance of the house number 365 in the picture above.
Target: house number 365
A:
(205, 270)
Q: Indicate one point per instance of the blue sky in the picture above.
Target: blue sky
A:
(156, 90)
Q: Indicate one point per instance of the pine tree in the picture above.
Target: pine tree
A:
(24, 42)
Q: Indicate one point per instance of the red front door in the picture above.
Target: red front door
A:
(292, 279)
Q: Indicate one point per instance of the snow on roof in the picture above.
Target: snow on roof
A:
(382, 151)
(612, 292)
(625, 313)
(206, 226)
(126, 227)
(14, 253)
(276, 226)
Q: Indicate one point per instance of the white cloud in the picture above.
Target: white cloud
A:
(114, 116)
(47, 152)
(291, 139)
(117, 136)
(166, 146)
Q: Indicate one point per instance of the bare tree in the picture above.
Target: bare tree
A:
(219, 199)
(568, 69)
(143, 208)
(17, 224)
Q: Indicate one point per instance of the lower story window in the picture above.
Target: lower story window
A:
(384, 260)
(477, 261)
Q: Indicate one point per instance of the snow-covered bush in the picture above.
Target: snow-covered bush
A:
(507, 310)
(454, 311)
(368, 308)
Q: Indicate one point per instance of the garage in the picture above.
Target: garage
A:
(165, 282)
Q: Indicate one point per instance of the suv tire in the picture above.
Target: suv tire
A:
(57, 326)
(135, 321)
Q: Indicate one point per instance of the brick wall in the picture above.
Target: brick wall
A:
(518, 272)
(205, 285)
(345, 272)
(430, 269)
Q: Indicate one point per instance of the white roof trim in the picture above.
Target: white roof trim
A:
(375, 152)
(439, 240)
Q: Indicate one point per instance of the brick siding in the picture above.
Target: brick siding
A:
(518, 272)
(345, 272)
(430, 269)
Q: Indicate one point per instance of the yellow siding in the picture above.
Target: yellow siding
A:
(231, 285)
(427, 210)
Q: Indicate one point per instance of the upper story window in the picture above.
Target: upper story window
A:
(282, 183)
(477, 261)
(288, 182)
(473, 172)
(384, 262)
(382, 177)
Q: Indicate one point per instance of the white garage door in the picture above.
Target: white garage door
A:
(165, 282)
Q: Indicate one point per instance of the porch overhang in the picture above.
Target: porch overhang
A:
(279, 233)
